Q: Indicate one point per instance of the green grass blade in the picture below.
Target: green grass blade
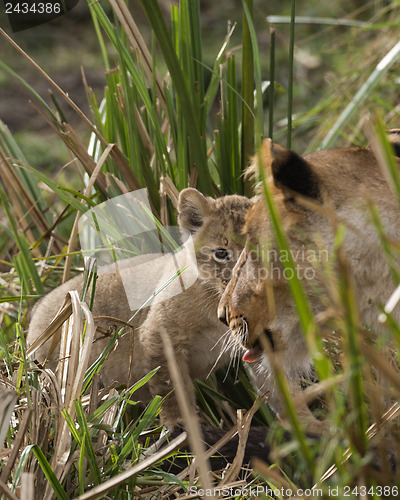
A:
(13, 151)
(271, 85)
(147, 417)
(81, 468)
(247, 89)
(46, 468)
(352, 341)
(386, 156)
(291, 72)
(375, 77)
(27, 269)
(257, 83)
(233, 129)
(30, 89)
(63, 193)
(5, 351)
(212, 88)
(72, 427)
(85, 438)
(196, 144)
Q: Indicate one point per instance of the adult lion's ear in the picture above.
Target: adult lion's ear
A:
(394, 139)
(292, 174)
(193, 209)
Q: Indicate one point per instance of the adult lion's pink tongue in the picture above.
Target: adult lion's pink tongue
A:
(251, 355)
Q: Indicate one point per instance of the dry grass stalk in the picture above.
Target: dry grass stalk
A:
(27, 486)
(190, 419)
(243, 427)
(63, 314)
(270, 473)
(8, 399)
(72, 139)
(164, 216)
(74, 143)
(7, 492)
(312, 392)
(44, 403)
(190, 470)
(23, 425)
(20, 196)
(74, 360)
(193, 177)
(74, 233)
(130, 179)
(373, 430)
(111, 179)
(144, 135)
(170, 190)
(379, 153)
(382, 364)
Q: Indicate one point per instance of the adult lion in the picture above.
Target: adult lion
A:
(313, 194)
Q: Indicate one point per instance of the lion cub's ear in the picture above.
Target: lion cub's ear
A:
(193, 209)
(291, 173)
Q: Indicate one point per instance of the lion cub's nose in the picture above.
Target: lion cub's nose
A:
(222, 315)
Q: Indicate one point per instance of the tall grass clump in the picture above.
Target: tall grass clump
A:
(160, 126)
(168, 120)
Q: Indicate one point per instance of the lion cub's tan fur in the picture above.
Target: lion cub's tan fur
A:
(313, 195)
(190, 318)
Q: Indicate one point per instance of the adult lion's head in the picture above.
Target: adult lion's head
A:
(313, 195)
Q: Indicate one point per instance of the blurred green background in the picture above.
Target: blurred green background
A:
(330, 62)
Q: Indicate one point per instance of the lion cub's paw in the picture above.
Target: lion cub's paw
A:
(312, 426)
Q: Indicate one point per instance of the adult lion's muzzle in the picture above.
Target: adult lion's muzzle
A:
(222, 315)
(227, 295)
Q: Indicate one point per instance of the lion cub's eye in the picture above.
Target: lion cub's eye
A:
(221, 254)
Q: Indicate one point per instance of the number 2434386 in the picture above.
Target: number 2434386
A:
(33, 8)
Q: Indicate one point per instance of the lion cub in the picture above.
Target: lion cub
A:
(189, 318)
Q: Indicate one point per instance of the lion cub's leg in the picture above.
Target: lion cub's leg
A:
(161, 383)
(311, 424)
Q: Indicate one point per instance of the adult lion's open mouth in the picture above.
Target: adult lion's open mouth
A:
(253, 354)
(256, 351)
